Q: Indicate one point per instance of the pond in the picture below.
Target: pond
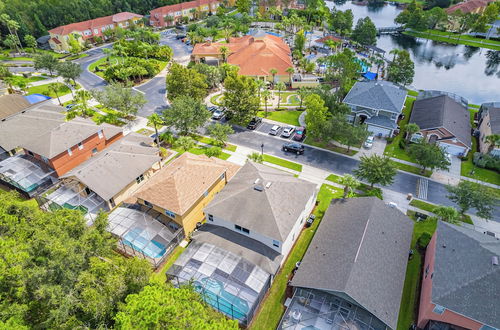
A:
(471, 72)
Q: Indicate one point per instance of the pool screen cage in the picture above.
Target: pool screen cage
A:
(144, 232)
(227, 282)
(26, 174)
(73, 196)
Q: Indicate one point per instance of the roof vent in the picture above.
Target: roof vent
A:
(444, 246)
(258, 188)
(256, 181)
(268, 185)
(494, 261)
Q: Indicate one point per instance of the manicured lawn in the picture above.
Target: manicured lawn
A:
(290, 117)
(201, 151)
(104, 60)
(411, 294)
(431, 207)
(216, 99)
(411, 169)
(330, 147)
(74, 57)
(392, 149)
(43, 89)
(212, 142)
(413, 93)
(282, 162)
(159, 274)
(482, 174)
(145, 131)
(271, 309)
(453, 38)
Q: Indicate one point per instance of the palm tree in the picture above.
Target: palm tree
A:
(184, 143)
(303, 92)
(82, 97)
(410, 129)
(281, 86)
(22, 85)
(273, 72)
(395, 52)
(54, 88)
(224, 52)
(266, 95)
(167, 137)
(290, 72)
(227, 34)
(350, 183)
(447, 214)
(494, 141)
(260, 86)
(156, 121)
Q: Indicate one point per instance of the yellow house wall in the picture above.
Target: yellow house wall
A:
(133, 186)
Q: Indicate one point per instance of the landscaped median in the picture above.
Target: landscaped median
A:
(290, 117)
(454, 38)
(271, 308)
(330, 146)
(282, 162)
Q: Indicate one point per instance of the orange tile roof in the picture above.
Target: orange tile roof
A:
(94, 23)
(177, 186)
(181, 6)
(322, 40)
(254, 56)
(468, 6)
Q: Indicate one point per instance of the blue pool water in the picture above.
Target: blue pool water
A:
(139, 243)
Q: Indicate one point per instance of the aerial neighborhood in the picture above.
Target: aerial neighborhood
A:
(290, 164)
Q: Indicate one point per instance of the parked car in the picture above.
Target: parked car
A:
(293, 147)
(287, 131)
(180, 36)
(212, 109)
(254, 123)
(369, 142)
(300, 134)
(275, 130)
(217, 114)
(310, 221)
(70, 106)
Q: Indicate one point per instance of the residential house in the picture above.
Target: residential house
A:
(461, 280)
(251, 226)
(445, 121)
(108, 178)
(489, 124)
(378, 104)
(88, 30)
(353, 272)
(469, 7)
(267, 5)
(172, 14)
(182, 189)
(12, 104)
(255, 56)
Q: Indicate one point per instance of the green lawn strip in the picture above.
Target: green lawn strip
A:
(431, 207)
(481, 174)
(212, 142)
(330, 147)
(112, 120)
(282, 162)
(159, 275)
(145, 131)
(216, 99)
(393, 149)
(411, 169)
(271, 308)
(464, 40)
(290, 117)
(44, 89)
(201, 151)
(410, 298)
(413, 93)
(334, 178)
(102, 61)
(75, 57)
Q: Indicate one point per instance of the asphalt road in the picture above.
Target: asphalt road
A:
(87, 79)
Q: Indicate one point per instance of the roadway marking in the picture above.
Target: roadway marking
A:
(422, 188)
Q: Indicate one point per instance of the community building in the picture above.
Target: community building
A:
(461, 280)
(489, 124)
(88, 30)
(255, 56)
(172, 14)
(353, 272)
(469, 7)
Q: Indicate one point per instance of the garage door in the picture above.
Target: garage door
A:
(452, 149)
(376, 130)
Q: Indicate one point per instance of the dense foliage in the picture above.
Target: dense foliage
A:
(185, 81)
(132, 68)
(141, 49)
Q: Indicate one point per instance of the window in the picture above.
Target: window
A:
(439, 309)
(30, 153)
(94, 151)
(112, 202)
(148, 204)
(432, 275)
(205, 193)
(96, 31)
(99, 133)
(140, 178)
(276, 243)
(223, 175)
(243, 230)
(80, 145)
(170, 213)
(70, 152)
(426, 271)
(210, 217)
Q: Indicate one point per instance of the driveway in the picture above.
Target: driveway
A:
(87, 79)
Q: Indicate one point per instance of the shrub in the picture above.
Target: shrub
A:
(486, 161)
(402, 144)
(377, 192)
(424, 240)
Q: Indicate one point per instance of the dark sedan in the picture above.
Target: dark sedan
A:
(293, 147)
(254, 123)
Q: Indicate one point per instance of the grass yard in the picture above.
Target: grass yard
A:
(411, 169)
(393, 149)
(329, 146)
(93, 66)
(159, 275)
(75, 57)
(44, 89)
(431, 207)
(271, 309)
(212, 142)
(216, 99)
(411, 292)
(145, 131)
(454, 38)
(290, 117)
(282, 162)
(469, 170)
(413, 93)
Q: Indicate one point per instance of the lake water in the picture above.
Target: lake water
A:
(473, 73)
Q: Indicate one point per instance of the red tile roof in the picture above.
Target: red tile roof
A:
(322, 40)
(468, 6)
(94, 23)
(55, 40)
(254, 56)
(180, 6)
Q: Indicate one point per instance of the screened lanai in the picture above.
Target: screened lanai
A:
(144, 232)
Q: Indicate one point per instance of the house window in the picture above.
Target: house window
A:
(242, 229)
(94, 151)
(276, 243)
(439, 309)
(70, 152)
(96, 31)
(30, 153)
(112, 202)
(223, 175)
(170, 213)
(99, 134)
(140, 178)
(148, 204)
(80, 145)
(210, 217)
(426, 271)
(205, 193)
(432, 275)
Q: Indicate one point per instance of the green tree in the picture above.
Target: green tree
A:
(342, 68)
(266, 95)
(350, 184)
(120, 97)
(300, 41)
(213, 152)
(316, 116)
(243, 6)
(54, 88)
(341, 21)
(290, 72)
(30, 42)
(74, 45)
(350, 135)
(303, 92)
(220, 132)
(365, 32)
(186, 114)
(429, 156)
(185, 143)
(224, 52)
(447, 214)
(256, 157)
(240, 97)
(280, 86)
(182, 81)
(273, 73)
(81, 107)
(376, 169)
(46, 61)
(69, 70)
(402, 69)
(410, 129)
(469, 195)
(155, 120)
(213, 74)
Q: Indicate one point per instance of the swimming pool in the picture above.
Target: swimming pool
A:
(151, 248)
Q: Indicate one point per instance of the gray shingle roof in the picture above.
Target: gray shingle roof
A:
(494, 110)
(111, 170)
(12, 104)
(381, 121)
(465, 280)
(443, 111)
(360, 249)
(378, 95)
(271, 212)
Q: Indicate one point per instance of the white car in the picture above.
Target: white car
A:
(369, 142)
(217, 114)
(275, 130)
(287, 131)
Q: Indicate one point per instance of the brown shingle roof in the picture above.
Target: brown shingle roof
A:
(96, 22)
(179, 185)
(12, 104)
(468, 6)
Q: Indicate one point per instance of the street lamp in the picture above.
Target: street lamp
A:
(262, 149)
